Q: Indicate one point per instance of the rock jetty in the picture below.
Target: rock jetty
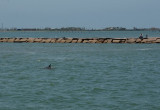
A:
(81, 40)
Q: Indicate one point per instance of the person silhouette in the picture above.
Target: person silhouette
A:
(141, 36)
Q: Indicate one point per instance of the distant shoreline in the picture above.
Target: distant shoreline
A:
(79, 29)
(70, 31)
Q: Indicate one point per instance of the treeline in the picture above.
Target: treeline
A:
(81, 29)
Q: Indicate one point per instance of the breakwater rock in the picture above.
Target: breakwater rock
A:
(81, 40)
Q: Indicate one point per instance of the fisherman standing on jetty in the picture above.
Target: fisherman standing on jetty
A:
(141, 36)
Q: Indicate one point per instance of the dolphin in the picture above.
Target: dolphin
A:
(48, 67)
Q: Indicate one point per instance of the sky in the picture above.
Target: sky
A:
(79, 13)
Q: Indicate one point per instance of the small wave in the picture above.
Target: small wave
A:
(144, 49)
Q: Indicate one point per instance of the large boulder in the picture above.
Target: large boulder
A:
(92, 41)
(3, 39)
(30, 40)
(157, 41)
(23, 40)
(37, 39)
(11, 40)
(79, 40)
(85, 41)
(131, 40)
(53, 40)
(109, 40)
(115, 40)
(152, 40)
(74, 41)
(138, 40)
(69, 40)
(47, 40)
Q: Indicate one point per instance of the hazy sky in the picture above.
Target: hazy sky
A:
(79, 13)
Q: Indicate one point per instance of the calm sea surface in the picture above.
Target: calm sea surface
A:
(85, 76)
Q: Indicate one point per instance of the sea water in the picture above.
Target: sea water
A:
(84, 76)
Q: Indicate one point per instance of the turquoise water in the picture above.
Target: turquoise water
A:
(85, 76)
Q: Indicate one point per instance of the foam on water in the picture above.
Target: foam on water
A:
(144, 49)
